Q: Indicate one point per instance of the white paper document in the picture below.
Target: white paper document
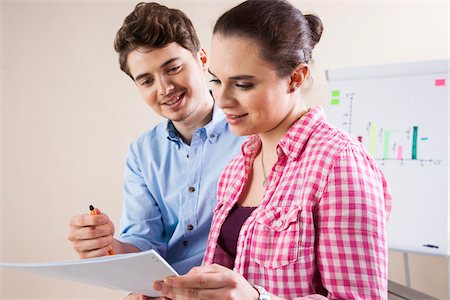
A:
(134, 272)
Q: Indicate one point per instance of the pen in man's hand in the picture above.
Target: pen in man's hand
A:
(94, 212)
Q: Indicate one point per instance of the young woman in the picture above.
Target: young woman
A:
(302, 211)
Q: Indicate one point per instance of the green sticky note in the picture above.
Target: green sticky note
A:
(334, 101)
(335, 93)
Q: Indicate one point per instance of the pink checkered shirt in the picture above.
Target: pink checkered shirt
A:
(321, 226)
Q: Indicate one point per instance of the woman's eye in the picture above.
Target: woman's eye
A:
(215, 81)
(174, 70)
(245, 86)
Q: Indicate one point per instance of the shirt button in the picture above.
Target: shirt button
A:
(185, 243)
(191, 189)
(187, 156)
(212, 135)
(278, 223)
(190, 227)
(277, 168)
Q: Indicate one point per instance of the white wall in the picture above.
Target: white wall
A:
(68, 114)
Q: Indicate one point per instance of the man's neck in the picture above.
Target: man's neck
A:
(186, 130)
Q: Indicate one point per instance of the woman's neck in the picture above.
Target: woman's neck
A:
(270, 139)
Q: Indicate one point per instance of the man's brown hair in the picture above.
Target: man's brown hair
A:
(151, 25)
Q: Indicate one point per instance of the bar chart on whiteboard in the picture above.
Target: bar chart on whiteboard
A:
(400, 114)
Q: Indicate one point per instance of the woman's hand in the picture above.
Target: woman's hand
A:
(142, 297)
(207, 282)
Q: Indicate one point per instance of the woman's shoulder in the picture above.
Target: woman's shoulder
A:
(333, 138)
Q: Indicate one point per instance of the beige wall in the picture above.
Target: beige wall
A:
(1, 151)
(68, 115)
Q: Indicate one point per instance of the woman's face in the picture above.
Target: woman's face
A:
(253, 97)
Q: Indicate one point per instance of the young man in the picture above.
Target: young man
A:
(172, 170)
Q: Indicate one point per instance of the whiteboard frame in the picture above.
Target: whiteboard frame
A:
(390, 70)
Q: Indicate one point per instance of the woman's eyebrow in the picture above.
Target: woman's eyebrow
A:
(236, 77)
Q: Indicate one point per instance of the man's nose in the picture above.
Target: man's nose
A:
(166, 85)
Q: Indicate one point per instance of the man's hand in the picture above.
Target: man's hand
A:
(91, 235)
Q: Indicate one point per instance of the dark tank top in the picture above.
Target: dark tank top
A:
(231, 227)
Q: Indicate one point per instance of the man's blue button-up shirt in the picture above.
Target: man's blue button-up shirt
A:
(170, 189)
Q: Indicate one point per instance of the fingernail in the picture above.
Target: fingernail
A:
(157, 285)
(166, 291)
(168, 281)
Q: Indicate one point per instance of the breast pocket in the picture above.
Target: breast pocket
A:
(276, 237)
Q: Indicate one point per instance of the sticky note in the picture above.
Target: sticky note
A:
(335, 93)
(439, 82)
(334, 101)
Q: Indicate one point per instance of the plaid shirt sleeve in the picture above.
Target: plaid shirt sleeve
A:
(351, 219)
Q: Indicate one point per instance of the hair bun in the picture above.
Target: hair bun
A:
(315, 24)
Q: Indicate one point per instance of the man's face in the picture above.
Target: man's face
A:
(171, 80)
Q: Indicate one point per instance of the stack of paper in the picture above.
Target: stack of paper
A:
(134, 272)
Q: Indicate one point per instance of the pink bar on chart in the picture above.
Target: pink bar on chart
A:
(439, 82)
(400, 152)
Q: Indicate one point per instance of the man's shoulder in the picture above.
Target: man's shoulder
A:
(158, 131)
(152, 137)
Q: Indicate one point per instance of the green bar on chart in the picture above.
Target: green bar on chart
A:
(335, 93)
(414, 142)
(335, 101)
(372, 138)
(386, 144)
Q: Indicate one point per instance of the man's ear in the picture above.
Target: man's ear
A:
(203, 56)
(298, 77)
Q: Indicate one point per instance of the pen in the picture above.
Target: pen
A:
(94, 213)
(431, 246)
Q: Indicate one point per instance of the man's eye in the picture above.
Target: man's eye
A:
(146, 82)
(174, 70)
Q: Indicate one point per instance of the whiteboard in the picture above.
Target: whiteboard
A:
(400, 113)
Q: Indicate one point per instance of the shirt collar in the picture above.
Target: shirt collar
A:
(293, 142)
(217, 124)
(213, 129)
(172, 133)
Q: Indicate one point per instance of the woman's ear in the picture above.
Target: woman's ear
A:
(298, 77)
